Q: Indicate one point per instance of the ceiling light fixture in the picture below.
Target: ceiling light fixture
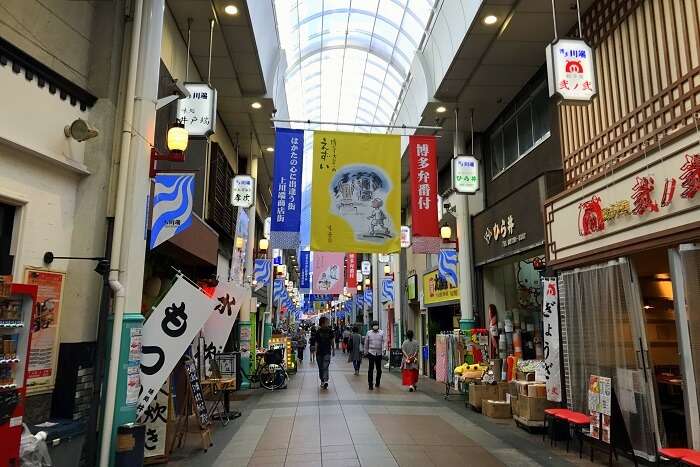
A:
(256, 105)
(270, 149)
(231, 10)
(441, 109)
(490, 19)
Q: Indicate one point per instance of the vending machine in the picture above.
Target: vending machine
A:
(16, 308)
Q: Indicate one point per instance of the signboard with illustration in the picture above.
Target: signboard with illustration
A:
(599, 406)
(437, 289)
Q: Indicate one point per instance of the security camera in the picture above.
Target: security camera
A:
(80, 130)
(180, 89)
(446, 206)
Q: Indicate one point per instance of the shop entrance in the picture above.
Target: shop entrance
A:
(7, 219)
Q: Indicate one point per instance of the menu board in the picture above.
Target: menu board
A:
(599, 406)
(196, 391)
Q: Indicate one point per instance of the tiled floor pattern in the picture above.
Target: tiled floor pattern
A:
(347, 425)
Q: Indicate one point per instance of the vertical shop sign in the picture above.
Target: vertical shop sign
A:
(168, 333)
(571, 70)
(351, 267)
(405, 236)
(198, 111)
(465, 174)
(156, 420)
(356, 186)
(173, 198)
(550, 318)
(43, 351)
(242, 191)
(328, 275)
(366, 268)
(305, 271)
(223, 311)
(286, 188)
(423, 171)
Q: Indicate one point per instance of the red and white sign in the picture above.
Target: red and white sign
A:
(424, 194)
(571, 70)
(350, 266)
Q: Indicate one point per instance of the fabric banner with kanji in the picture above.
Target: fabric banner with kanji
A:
(286, 188)
(351, 268)
(356, 192)
(550, 322)
(328, 273)
(422, 152)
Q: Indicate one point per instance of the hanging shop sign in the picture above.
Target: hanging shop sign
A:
(437, 290)
(242, 191)
(173, 196)
(465, 174)
(198, 112)
(650, 196)
(512, 225)
(357, 192)
(424, 207)
(571, 70)
(267, 225)
(412, 287)
(168, 332)
(366, 268)
(405, 236)
(351, 267)
(286, 188)
(43, 348)
(447, 266)
(328, 273)
(305, 271)
(387, 291)
(262, 271)
(382, 258)
(550, 345)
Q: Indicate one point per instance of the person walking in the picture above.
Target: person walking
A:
(312, 344)
(324, 342)
(346, 338)
(355, 349)
(409, 362)
(301, 346)
(374, 349)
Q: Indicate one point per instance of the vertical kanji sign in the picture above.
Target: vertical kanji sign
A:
(350, 268)
(550, 319)
(286, 188)
(424, 194)
(571, 70)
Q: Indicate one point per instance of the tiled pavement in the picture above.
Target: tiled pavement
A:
(348, 425)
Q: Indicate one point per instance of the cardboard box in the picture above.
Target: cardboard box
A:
(514, 406)
(522, 387)
(480, 392)
(532, 408)
(537, 390)
(496, 409)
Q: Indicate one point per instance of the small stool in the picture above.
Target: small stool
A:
(673, 455)
(692, 459)
(577, 421)
(551, 414)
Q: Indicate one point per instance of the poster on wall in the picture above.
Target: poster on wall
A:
(356, 185)
(550, 321)
(437, 289)
(328, 273)
(599, 406)
(43, 351)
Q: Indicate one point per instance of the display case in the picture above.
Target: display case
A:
(16, 309)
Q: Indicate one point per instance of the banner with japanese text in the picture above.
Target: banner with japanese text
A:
(173, 198)
(286, 188)
(229, 297)
(550, 321)
(328, 273)
(305, 271)
(422, 152)
(356, 187)
(168, 332)
(156, 420)
(351, 268)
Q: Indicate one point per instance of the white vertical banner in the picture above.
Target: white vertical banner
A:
(156, 420)
(228, 298)
(167, 333)
(550, 319)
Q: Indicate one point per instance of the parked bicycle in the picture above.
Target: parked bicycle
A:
(269, 372)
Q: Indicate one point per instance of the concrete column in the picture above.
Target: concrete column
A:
(399, 293)
(244, 317)
(377, 313)
(464, 237)
(267, 329)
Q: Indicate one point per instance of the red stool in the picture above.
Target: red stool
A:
(692, 459)
(577, 421)
(552, 414)
(673, 454)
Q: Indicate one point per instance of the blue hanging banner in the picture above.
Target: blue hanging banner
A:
(286, 188)
(305, 271)
(360, 300)
(262, 272)
(447, 266)
(368, 297)
(173, 196)
(387, 290)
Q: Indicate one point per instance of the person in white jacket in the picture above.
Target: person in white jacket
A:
(374, 349)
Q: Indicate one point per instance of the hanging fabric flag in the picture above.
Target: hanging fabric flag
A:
(351, 268)
(305, 271)
(387, 291)
(228, 298)
(172, 206)
(328, 276)
(447, 266)
(368, 298)
(262, 272)
(424, 194)
(356, 186)
(286, 188)
(360, 300)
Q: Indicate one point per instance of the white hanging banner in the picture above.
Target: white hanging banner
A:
(550, 318)
(228, 298)
(571, 70)
(167, 333)
(156, 420)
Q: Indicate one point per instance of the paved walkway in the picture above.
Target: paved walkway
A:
(347, 425)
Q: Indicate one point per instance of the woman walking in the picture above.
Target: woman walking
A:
(355, 349)
(312, 345)
(301, 346)
(409, 362)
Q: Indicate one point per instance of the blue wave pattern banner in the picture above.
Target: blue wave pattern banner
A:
(173, 196)
(368, 298)
(262, 272)
(387, 290)
(447, 266)
(286, 188)
(305, 271)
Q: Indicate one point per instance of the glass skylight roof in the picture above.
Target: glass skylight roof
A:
(347, 60)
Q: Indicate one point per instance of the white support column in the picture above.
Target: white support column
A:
(244, 316)
(399, 293)
(376, 304)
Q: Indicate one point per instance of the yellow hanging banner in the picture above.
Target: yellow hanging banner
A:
(356, 192)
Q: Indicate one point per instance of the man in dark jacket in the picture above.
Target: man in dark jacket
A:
(324, 342)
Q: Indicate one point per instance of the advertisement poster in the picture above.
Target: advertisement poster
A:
(550, 344)
(438, 290)
(599, 406)
(328, 273)
(424, 191)
(286, 188)
(43, 353)
(356, 185)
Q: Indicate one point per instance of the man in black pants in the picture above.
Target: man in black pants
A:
(374, 349)
(323, 340)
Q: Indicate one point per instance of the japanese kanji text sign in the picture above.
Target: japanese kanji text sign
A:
(198, 112)
(228, 298)
(550, 320)
(242, 191)
(424, 194)
(286, 188)
(465, 174)
(571, 70)
(350, 268)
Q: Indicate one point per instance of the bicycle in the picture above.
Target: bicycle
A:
(269, 372)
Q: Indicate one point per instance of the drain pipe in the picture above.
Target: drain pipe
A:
(114, 283)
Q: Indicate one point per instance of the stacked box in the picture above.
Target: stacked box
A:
(537, 390)
(496, 409)
(481, 392)
(532, 408)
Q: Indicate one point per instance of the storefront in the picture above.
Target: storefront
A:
(441, 302)
(627, 248)
(509, 260)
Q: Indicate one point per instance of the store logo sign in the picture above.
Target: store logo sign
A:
(571, 70)
(198, 111)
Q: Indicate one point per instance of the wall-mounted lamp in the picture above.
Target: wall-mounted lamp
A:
(359, 287)
(367, 282)
(263, 243)
(445, 232)
(177, 140)
(239, 243)
(387, 269)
